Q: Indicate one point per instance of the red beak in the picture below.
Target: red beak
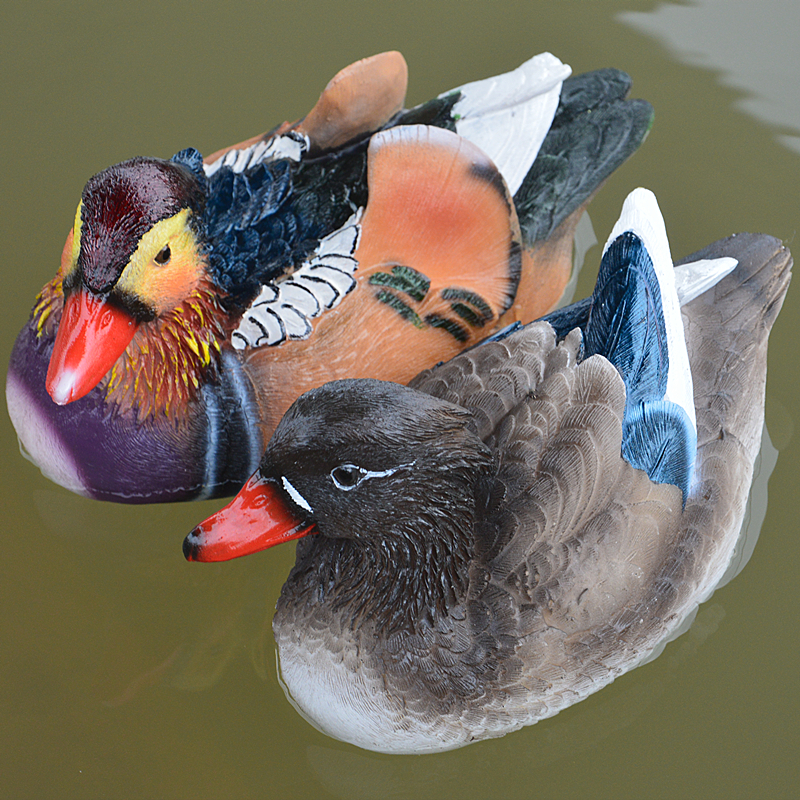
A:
(255, 519)
(91, 336)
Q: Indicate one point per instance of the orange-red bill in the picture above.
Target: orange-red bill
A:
(255, 519)
(91, 336)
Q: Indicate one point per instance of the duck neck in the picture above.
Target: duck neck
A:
(399, 578)
(163, 367)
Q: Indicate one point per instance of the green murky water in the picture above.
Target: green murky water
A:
(125, 671)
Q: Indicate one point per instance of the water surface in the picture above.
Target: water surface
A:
(127, 672)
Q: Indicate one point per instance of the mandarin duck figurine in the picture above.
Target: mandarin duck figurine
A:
(197, 299)
(527, 521)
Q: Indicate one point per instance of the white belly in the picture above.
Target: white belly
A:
(339, 696)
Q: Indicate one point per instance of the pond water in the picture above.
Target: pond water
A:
(127, 672)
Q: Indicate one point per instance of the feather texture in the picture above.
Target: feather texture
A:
(505, 559)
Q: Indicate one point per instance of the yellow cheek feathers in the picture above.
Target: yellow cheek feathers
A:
(73, 245)
(161, 371)
(162, 286)
(50, 300)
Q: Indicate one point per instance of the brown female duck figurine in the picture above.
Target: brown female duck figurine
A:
(527, 521)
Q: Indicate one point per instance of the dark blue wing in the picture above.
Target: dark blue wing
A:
(626, 325)
(264, 220)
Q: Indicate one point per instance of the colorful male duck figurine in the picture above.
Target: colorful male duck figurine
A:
(197, 299)
(526, 522)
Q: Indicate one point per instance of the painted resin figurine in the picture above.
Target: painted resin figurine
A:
(196, 299)
(527, 521)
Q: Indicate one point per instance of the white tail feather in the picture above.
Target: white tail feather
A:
(642, 216)
(696, 277)
(509, 115)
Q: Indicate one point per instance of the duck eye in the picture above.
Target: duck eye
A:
(163, 256)
(347, 476)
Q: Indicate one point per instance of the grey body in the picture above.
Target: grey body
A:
(560, 566)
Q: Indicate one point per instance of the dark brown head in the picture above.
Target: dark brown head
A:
(119, 206)
(365, 460)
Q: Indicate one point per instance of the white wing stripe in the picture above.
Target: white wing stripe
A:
(320, 288)
(301, 297)
(284, 310)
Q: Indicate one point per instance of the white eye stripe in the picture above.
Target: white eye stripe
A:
(364, 474)
(384, 474)
(295, 495)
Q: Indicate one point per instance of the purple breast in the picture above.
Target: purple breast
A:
(90, 448)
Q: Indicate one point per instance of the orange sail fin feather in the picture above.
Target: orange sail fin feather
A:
(358, 100)
(197, 299)
(441, 208)
(438, 263)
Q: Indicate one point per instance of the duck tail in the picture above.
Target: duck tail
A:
(730, 323)
(509, 116)
(595, 129)
(727, 336)
(635, 322)
(554, 139)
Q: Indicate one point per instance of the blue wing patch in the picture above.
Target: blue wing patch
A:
(266, 219)
(626, 325)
